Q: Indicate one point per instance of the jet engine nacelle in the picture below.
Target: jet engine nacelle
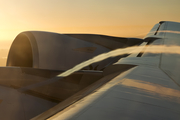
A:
(53, 51)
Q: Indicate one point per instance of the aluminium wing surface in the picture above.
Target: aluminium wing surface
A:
(148, 90)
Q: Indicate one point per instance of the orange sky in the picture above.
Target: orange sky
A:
(111, 17)
(124, 18)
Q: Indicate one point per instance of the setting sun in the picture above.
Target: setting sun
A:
(114, 18)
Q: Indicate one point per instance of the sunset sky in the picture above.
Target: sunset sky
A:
(123, 18)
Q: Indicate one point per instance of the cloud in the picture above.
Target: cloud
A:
(3, 57)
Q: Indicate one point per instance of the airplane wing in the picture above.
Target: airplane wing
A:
(143, 84)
